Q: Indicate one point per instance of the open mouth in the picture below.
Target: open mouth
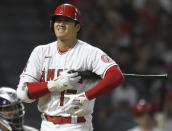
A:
(61, 29)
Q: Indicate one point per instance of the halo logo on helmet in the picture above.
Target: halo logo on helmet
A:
(62, 10)
(66, 10)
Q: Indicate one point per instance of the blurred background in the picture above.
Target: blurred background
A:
(137, 34)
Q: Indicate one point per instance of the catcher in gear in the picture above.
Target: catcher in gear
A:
(12, 111)
(51, 75)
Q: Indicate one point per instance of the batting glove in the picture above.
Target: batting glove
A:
(66, 80)
(74, 104)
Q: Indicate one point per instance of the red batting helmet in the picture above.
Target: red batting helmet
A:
(141, 107)
(67, 10)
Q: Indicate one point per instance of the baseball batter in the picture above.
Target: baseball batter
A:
(65, 99)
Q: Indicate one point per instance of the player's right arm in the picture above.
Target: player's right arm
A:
(30, 87)
(27, 91)
(31, 73)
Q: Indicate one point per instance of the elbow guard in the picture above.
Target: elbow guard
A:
(22, 93)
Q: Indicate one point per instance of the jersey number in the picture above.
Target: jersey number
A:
(62, 95)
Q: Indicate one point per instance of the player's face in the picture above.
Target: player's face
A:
(10, 112)
(145, 120)
(65, 28)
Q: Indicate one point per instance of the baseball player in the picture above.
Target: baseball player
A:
(65, 99)
(12, 111)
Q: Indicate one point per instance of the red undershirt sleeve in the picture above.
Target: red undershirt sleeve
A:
(37, 89)
(112, 79)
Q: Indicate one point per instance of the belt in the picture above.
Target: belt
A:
(63, 120)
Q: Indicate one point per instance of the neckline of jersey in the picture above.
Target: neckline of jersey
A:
(64, 52)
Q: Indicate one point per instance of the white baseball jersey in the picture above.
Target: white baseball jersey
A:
(46, 62)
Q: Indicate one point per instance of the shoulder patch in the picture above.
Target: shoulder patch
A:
(105, 58)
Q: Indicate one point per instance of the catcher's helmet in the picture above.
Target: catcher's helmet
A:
(67, 10)
(141, 107)
(11, 110)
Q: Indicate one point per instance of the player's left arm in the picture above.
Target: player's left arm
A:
(113, 78)
(105, 66)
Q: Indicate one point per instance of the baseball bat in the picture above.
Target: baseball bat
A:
(91, 75)
(150, 76)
